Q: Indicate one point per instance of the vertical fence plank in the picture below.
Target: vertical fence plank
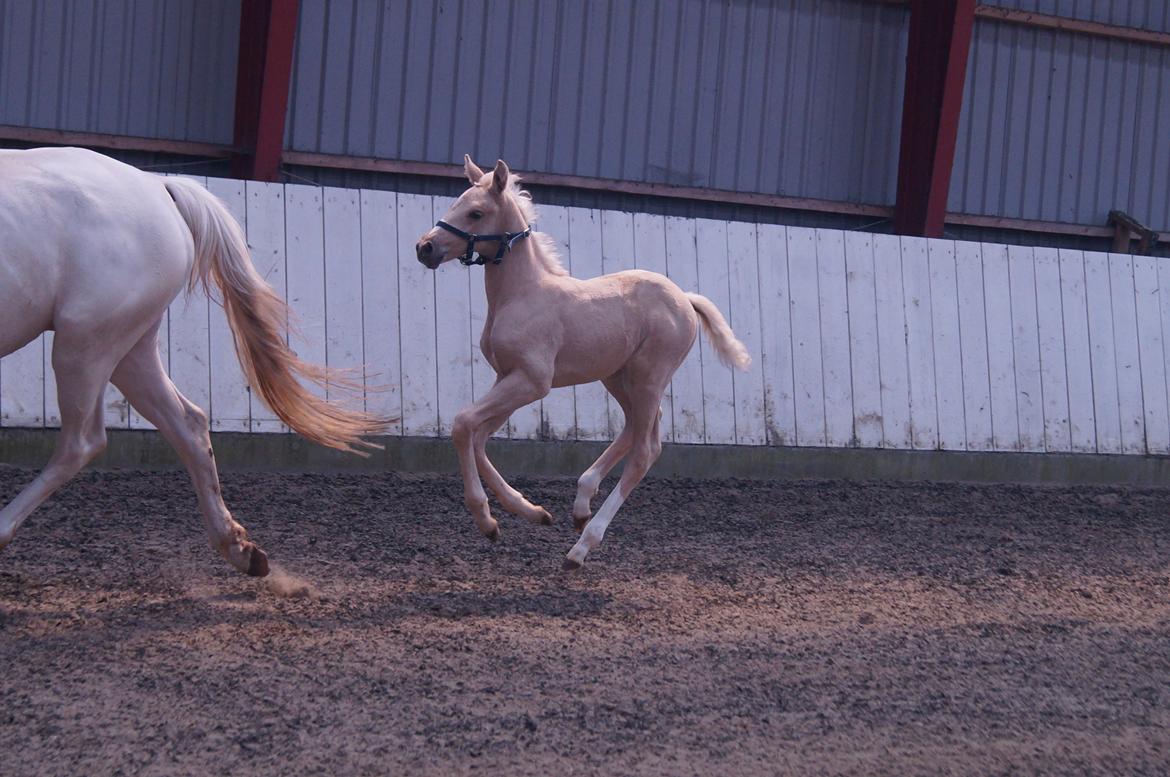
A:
(230, 402)
(776, 334)
(1082, 421)
(1152, 351)
(380, 329)
(1023, 269)
(342, 225)
(1053, 375)
(834, 309)
(617, 254)
(973, 346)
(920, 343)
(718, 386)
(556, 414)
(190, 346)
(893, 358)
(997, 300)
(744, 317)
(948, 357)
(687, 385)
(1102, 352)
(266, 236)
(190, 343)
(863, 340)
(806, 336)
(305, 265)
(585, 245)
(1129, 366)
(416, 300)
(650, 254)
(453, 332)
(22, 386)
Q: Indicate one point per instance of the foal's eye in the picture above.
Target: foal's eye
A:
(476, 215)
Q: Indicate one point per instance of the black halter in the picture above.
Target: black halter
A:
(470, 257)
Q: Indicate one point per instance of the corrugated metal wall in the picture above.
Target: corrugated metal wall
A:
(776, 96)
(151, 68)
(793, 97)
(1064, 127)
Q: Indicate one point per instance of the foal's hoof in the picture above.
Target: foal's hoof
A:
(543, 517)
(258, 564)
(493, 535)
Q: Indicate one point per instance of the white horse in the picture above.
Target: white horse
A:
(630, 330)
(95, 250)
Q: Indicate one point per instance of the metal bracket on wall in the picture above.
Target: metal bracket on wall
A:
(1125, 227)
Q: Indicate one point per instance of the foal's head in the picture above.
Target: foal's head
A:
(487, 208)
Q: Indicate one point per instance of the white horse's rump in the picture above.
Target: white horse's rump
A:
(96, 250)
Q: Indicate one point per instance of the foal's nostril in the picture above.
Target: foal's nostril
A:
(424, 249)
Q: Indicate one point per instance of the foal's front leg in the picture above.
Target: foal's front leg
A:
(510, 392)
(511, 499)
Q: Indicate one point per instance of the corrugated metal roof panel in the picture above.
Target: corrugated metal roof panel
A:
(162, 69)
(781, 96)
(1063, 127)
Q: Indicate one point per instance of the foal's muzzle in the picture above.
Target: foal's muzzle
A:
(425, 251)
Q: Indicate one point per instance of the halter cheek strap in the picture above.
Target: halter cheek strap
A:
(470, 257)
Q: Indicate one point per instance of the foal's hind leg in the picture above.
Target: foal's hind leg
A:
(590, 480)
(511, 499)
(141, 377)
(645, 448)
(82, 373)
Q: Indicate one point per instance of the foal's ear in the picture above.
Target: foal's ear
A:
(500, 175)
(471, 169)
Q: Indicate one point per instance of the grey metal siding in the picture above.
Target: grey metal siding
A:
(1064, 127)
(775, 96)
(151, 68)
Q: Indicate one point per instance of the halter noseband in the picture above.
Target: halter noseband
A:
(470, 257)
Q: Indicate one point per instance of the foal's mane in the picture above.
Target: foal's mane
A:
(546, 247)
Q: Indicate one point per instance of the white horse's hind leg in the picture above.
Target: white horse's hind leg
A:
(645, 449)
(82, 374)
(141, 377)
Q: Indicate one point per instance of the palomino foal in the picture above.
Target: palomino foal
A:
(544, 329)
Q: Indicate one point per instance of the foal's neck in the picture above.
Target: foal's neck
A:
(522, 268)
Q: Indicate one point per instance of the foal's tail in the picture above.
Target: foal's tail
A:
(258, 319)
(731, 351)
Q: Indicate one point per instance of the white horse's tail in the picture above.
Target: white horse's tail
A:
(731, 351)
(259, 321)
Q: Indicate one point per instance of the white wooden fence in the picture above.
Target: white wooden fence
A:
(858, 339)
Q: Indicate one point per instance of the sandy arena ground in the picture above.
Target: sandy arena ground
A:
(725, 627)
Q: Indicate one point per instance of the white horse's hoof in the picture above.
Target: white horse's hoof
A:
(579, 524)
(570, 565)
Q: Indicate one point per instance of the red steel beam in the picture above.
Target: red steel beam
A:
(267, 31)
(936, 68)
